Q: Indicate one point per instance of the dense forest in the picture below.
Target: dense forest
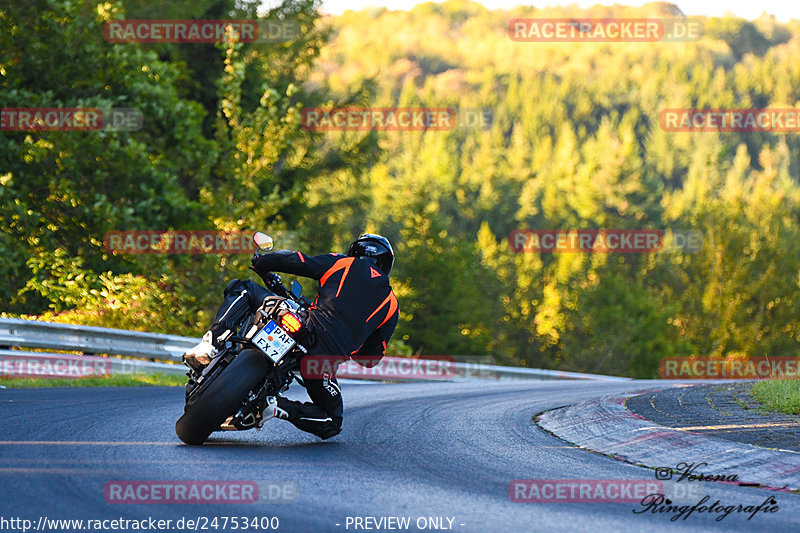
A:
(573, 142)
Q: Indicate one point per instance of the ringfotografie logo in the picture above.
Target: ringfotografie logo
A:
(658, 504)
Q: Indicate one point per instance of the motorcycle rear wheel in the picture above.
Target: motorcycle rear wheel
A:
(205, 412)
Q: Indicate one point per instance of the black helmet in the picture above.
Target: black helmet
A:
(376, 247)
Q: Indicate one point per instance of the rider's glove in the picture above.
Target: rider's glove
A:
(259, 263)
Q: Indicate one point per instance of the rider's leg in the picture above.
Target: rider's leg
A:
(241, 297)
(323, 417)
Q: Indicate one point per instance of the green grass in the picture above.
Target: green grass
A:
(781, 395)
(121, 380)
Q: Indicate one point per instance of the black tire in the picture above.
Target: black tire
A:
(205, 412)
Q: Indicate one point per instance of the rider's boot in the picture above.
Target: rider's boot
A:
(305, 416)
(200, 355)
(271, 410)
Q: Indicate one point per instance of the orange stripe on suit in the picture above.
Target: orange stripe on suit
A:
(392, 301)
(342, 264)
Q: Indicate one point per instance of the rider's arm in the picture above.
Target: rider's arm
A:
(373, 350)
(297, 263)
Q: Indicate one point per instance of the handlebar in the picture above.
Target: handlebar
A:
(272, 283)
(279, 288)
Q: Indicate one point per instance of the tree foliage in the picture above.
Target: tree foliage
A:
(573, 142)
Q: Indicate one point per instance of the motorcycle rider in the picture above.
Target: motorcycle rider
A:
(354, 315)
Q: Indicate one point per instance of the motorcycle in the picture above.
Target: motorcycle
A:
(260, 360)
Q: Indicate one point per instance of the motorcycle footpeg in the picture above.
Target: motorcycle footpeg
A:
(228, 425)
(233, 423)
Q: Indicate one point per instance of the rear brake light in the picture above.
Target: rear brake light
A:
(291, 323)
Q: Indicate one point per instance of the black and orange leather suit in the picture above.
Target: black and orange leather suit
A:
(354, 315)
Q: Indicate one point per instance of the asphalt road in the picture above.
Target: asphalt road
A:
(421, 451)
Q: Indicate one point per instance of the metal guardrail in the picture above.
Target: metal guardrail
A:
(91, 340)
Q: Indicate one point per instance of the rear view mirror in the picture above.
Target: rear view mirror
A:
(263, 242)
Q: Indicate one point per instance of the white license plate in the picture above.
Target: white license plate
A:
(273, 341)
